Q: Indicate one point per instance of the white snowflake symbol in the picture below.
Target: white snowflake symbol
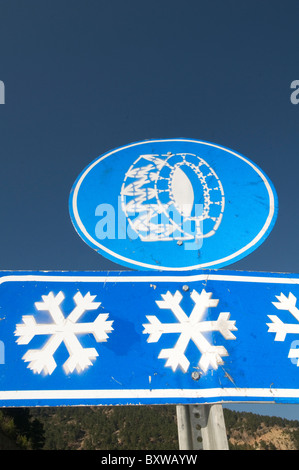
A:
(63, 330)
(191, 328)
(281, 329)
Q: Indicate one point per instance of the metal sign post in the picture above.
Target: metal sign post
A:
(201, 427)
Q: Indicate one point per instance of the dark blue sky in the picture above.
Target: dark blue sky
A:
(84, 77)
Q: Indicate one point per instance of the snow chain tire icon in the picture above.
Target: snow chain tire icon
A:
(172, 196)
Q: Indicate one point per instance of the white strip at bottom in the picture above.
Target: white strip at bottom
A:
(149, 394)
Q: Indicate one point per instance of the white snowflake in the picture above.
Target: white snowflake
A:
(281, 329)
(63, 330)
(191, 328)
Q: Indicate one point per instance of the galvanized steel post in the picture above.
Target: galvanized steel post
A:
(201, 427)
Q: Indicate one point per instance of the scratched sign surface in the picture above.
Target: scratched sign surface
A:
(109, 338)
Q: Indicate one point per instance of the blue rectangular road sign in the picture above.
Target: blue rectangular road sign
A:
(109, 338)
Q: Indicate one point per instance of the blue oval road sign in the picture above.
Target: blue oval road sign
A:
(173, 204)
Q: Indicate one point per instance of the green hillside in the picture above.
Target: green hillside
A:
(131, 428)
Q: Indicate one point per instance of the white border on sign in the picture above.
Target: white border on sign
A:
(166, 268)
(212, 393)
